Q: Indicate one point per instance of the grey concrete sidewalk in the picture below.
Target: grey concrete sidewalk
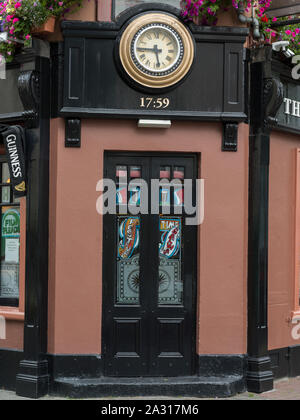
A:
(285, 389)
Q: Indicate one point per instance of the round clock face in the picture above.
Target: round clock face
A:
(156, 50)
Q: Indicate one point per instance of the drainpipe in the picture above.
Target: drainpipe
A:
(251, 20)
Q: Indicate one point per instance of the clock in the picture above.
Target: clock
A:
(156, 50)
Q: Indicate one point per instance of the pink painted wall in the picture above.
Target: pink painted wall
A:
(104, 10)
(282, 238)
(75, 283)
(14, 335)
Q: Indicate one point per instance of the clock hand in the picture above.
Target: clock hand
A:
(149, 49)
(156, 50)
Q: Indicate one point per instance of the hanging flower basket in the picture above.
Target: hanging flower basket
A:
(222, 13)
(47, 28)
(22, 19)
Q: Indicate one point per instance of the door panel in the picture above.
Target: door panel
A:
(127, 337)
(149, 272)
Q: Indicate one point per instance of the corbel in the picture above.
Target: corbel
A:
(29, 91)
(230, 137)
(73, 132)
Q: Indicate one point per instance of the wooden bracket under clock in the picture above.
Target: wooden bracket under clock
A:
(230, 137)
(73, 132)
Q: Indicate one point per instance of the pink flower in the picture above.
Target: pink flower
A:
(27, 37)
(15, 20)
(17, 5)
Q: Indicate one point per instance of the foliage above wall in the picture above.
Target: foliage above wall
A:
(19, 18)
(289, 33)
(206, 12)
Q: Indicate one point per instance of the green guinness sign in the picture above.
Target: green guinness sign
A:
(11, 224)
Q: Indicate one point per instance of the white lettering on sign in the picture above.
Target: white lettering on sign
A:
(14, 157)
(292, 107)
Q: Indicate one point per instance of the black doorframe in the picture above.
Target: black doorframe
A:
(105, 303)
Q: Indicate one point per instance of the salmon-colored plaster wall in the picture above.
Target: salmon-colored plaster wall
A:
(282, 238)
(14, 335)
(75, 283)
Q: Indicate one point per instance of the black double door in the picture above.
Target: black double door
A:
(149, 268)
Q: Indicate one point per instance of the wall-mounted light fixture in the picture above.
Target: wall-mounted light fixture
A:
(154, 124)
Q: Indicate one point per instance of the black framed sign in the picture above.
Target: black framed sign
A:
(288, 116)
(289, 113)
(14, 141)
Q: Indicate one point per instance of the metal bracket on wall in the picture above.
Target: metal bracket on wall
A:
(73, 132)
(230, 137)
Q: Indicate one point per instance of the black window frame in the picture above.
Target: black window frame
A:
(10, 302)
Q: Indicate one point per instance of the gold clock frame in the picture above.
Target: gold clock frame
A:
(157, 82)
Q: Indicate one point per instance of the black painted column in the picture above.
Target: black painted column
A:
(265, 99)
(34, 88)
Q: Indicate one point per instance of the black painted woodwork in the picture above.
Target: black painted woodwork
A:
(16, 108)
(222, 365)
(286, 362)
(230, 137)
(266, 95)
(95, 84)
(149, 339)
(28, 86)
(33, 376)
(82, 375)
(9, 365)
(73, 132)
(56, 63)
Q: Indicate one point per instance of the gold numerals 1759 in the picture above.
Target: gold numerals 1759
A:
(154, 103)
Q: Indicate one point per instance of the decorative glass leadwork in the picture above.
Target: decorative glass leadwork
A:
(128, 267)
(170, 283)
